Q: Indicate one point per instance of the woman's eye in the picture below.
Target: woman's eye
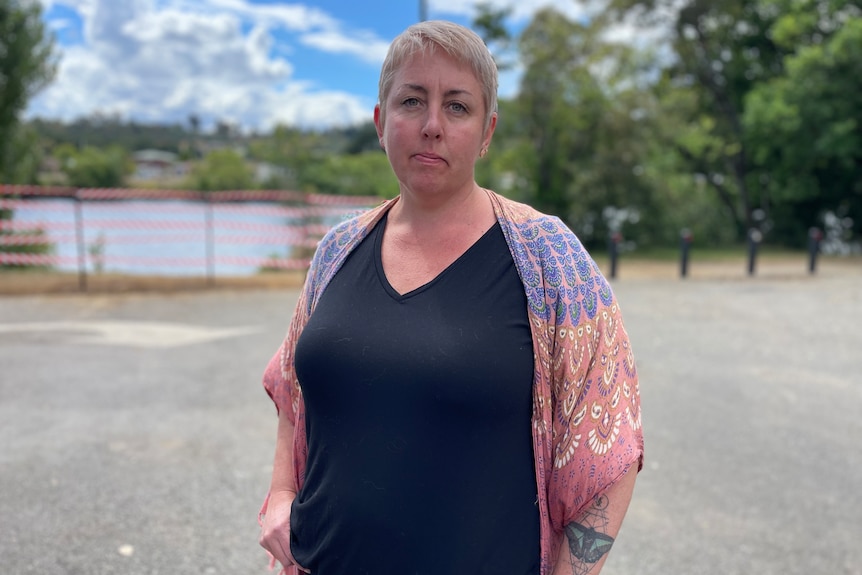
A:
(411, 102)
(458, 107)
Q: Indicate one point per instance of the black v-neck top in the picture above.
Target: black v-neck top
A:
(418, 406)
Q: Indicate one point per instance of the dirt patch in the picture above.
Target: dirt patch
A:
(784, 267)
(31, 282)
(771, 267)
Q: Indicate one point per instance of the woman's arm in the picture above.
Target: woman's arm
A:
(589, 538)
(275, 530)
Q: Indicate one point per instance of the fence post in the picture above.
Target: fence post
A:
(79, 239)
(614, 250)
(686, 238)
(210, 240)
(754, 239)
(815, 236)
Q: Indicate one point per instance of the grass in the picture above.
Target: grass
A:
(706, 264)
(30, 282)
(721, 254)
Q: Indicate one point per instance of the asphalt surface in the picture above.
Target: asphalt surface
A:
(135, 437)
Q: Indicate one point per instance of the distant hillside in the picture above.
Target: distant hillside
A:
(104, 131)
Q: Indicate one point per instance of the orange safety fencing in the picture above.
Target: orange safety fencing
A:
(166, 232)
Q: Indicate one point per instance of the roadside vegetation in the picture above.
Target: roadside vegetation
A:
(745, 116)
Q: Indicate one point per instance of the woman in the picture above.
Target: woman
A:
(456, 391)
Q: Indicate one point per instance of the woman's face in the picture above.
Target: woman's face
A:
(433, 125)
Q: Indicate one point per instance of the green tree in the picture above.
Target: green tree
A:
(362, 138)
(364, 174)
(94, 167)
(679, 136)
(24, 156)
(722, 50)
(580, 128)
(222, 169)
(490, 24)
(26, 66)
(289, 148)
(804, 127)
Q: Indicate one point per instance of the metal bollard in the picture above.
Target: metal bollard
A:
(614, 251)
(815, 236)
(210, 240)
(754, 239)
(686, 238)
(79, 240)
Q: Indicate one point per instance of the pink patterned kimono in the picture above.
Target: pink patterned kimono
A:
(586, 406)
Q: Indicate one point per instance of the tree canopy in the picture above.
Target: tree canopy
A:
(764, 98)
(26, 66)
(745, 114)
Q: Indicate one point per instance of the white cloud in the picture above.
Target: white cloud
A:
(234, 60)
(162, 61)
(369, 49)
(324, 109)
(296, 17)
(522, 10)
(60, 24)
(74, 4)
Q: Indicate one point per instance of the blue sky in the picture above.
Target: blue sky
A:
(254, 63)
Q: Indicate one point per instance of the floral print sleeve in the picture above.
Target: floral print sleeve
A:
(586, 404)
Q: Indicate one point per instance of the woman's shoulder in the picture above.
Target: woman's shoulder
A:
(549, 255)
(342, 238)
(530, 223)
(353, 225)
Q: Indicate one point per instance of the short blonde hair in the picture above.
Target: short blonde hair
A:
(459, 42)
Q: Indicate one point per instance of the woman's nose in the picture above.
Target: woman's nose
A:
(433, 128)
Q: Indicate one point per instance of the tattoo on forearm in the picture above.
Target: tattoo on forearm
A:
(587, 542)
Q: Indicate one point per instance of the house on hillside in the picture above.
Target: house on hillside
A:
(157, 165)
(265, 172)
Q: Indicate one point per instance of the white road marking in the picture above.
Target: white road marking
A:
(126, 550)
(146, 334)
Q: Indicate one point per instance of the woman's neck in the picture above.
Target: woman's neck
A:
(469, 210)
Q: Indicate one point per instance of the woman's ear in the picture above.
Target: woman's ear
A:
(489, 133)
(378, 123)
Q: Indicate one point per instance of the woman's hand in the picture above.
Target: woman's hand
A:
(275, 527)
(275, 531)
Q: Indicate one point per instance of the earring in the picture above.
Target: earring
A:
(483, 151)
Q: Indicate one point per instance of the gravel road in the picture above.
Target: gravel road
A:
(135, 437)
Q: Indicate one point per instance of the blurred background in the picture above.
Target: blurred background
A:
(729, 121)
